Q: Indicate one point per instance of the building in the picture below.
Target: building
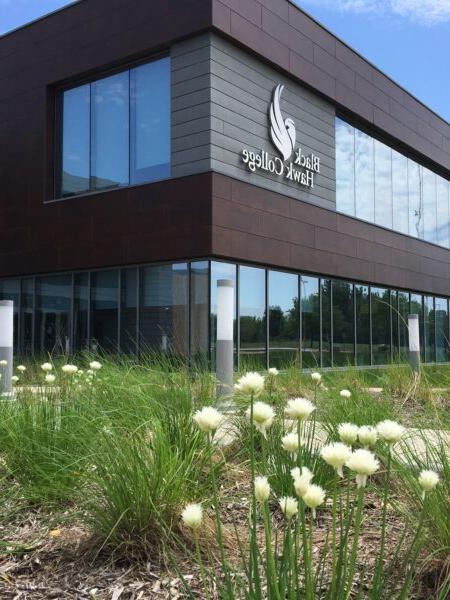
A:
(149, 149)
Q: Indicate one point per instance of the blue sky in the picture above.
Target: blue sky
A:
(408, 39)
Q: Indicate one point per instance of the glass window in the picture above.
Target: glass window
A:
(128, 310)
(364, 176)
(428, 329)
(381, 326)
(429, 205)
(416, 308)
(220, 270)
(443, 215)
(343, 324)
(116, 130)
(310, 325)
(383, 185)
(403, 336)
(400, 192)
(150, 118)
(345, 167)
(325, 330)
(284, 320)
(80, 311)
(362, 310)
(442, 323)
(104, 319)
(252, 318)
(199, 312)
(75, 168)
(415, 199)
(163, 321)
(26, 316)
(52, 317)
(10, 290)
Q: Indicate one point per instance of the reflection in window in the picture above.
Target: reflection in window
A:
(10, 290)
(383, 185)
(284, 316)
(362, 310)
(402, 317)
(199, 312)
(416, 308)
(364, 177)
(443, 212)
(381, 326)
(343, 319)
(415, 199)
(80, 311)
(429, 205)
(163, 320)
(220, 270)
(52, 316)
(310, 325)
(104, 310)
(128, 310)
(400, 192)
(442, 332)
(325, 330)
(26, 316)
(252, 318)
(345, 175)
(428, 329)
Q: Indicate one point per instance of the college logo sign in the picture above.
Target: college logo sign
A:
(293, 164)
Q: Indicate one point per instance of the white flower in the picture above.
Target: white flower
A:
(390, 431)
(290, 443)
(428, 480)
(367, 436)
(363, 463)
(273, 371)
(95, 365)
(192, 516)
(348, 433)
(21, 368)
(345, 393)
(208, 419)
(262, 489)
(251, 384)
(316, 377)
(3, 363)
(49, 378)
(69, 369)
(14, 379)
(299, 408)
(302, 480)
(336, 455)
(289, 506)
(263, 416)
(314, 496)
(47, 367)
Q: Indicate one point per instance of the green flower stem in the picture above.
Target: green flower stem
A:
(414, 551)
(306, 562)
(333, 537)
(356, 532)
(253, 562)
(272, 580)
(198, 555)
(380, 559)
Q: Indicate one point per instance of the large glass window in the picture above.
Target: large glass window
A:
(443, 213)
(284, 319)
(220, 270)
(164, 315)
(416, 308)
(252, 318)
(116, 131)
(26, 316)
(52, 320)
(104, 310)
(310, 325)
(428, 329)
(415, 195)
(364, 176)
(381, 326)
(362, 312)
(199, 312)
(80, 311)
(429, 205)
(383, 185)
(441, 322)
(10, 290)
(325, 321)
(343, 321)
(128, 310)
(345, 176)
(400, 210)
(402, 317)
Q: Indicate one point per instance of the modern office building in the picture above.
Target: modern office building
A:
(149, 149)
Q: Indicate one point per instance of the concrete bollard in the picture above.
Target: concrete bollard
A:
(6, 344)
(224, 342)
(414, 342)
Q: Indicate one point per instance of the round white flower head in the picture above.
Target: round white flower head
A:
(345, 393)
(192, 516)
(3, 363)
(428, 480)
(14, 379)
(95, 365)
(299, 408)
(263, 416)
(208, 419)
(289, 443)
(390, 431)
(262, 489)
(302, 481)
(336, 455)
(316, 377)
(367, 436)
(363, 463)
(273, 371)
(90, 372)
(348, 433)
(47, 367)
(21, 368)
(250, 384)
(49, 378)
(289, 506)
(314, 497)
(69, 369)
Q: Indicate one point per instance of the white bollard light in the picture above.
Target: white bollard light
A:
(414, 342)
(6, 344)
(224, 342)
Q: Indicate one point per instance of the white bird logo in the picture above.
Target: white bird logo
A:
(282, 132)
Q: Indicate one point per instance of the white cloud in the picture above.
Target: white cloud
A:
(427, 12)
